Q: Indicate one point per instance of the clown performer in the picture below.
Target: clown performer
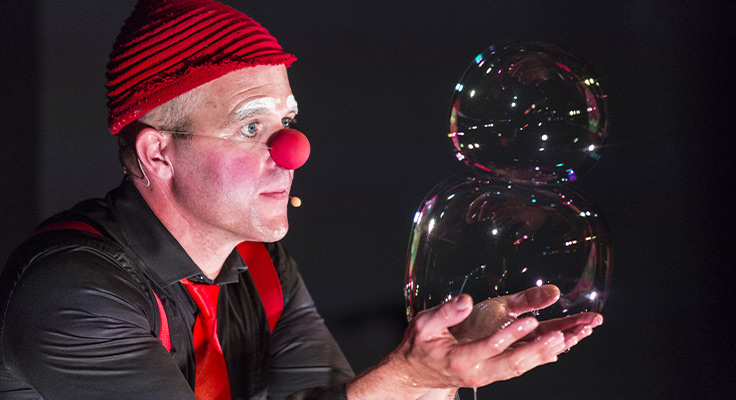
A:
(175, 285)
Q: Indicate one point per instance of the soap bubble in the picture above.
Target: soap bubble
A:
(485, 237)
(528, 112)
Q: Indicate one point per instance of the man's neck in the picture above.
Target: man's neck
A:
(205, 245)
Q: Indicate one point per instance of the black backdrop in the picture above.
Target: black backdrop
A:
(373, 81)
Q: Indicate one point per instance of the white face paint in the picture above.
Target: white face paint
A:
(291, 104)
(263, 105)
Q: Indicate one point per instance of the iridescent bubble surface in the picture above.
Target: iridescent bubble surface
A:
(486, 237)
(529, 112)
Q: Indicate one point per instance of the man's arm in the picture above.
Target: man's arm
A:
(449, 346)
(78, 327)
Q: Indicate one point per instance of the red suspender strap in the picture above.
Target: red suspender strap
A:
(78, 225)
(266, 279)
(163, 334)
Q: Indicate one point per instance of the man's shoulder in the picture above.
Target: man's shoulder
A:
(83, 230)
(57, 258)
(70, 289)
(57, 264)
(52, 244)
(58, 274)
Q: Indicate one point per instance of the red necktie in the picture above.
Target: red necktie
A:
(211, 381)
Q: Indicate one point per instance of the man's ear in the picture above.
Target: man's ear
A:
(151, 146)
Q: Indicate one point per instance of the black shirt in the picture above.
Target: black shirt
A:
(78, 318)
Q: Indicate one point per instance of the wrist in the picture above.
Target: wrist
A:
(390, 379)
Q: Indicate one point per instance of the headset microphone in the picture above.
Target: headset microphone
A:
(295, 201)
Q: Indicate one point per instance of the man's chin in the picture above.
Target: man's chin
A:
(273, 233)
(278, 235)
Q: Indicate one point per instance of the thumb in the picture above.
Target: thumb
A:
(437, 319)
(534, 298)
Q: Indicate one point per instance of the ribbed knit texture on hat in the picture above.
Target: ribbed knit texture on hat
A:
(169, 47)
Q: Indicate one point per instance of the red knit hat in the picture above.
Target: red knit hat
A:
(169, 47)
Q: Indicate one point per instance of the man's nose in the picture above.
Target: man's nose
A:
(289, 148)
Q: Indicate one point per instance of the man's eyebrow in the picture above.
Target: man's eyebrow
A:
(291, 104)
(263, 105)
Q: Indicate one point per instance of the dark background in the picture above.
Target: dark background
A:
(373, 81)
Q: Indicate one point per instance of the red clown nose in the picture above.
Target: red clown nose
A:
(289, 148)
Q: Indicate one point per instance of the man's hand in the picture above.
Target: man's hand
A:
(494, 314)
(457, 345)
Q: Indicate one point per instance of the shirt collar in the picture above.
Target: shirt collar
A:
(144, 233)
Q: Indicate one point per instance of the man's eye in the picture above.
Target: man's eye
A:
(288, 122)
(249, 130)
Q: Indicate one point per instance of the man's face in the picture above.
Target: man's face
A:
(232, 187)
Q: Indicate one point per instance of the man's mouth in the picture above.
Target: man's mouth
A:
(275, 193)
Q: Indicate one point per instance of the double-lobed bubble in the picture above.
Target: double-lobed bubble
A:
(527, 119)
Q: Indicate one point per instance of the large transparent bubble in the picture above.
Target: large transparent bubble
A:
(528, 112)
(485, 237)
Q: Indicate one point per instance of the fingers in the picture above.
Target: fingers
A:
(531, 299)
(477, 363)
(509, 363)
(575, 327)
(435, 321)
(563, 324)
(542, 351)
(499, 341)
(576, 335)
(580, 332)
